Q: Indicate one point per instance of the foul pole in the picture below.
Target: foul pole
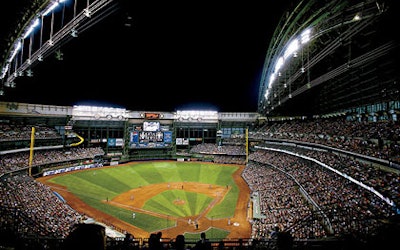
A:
(31, 150)
(81, 139)
(247, 145)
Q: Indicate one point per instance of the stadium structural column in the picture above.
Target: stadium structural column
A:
(125, 150)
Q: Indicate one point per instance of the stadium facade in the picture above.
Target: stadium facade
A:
(129, 135)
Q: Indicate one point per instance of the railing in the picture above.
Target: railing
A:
(168, 243)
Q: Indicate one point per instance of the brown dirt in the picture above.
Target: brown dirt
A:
(239, 225)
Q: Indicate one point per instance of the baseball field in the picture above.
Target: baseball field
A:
(168, 196)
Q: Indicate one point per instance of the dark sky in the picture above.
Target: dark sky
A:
(177, 55)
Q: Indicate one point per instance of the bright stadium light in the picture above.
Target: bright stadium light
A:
(293, 47)
(279, 64)
(357, 17)
(4, 71)
(52, 7)
(305, 36)
(31, 28)
(272, 78)
(290, 49)
(74, 32)
(29, 73)
(16, 49)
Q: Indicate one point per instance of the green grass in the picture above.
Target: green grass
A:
(95, 186)
(213, 233)
(162, 203)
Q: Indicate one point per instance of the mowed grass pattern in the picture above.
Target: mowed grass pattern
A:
(96, 185)
(163, 203)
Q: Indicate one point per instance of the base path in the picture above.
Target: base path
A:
(238, 226)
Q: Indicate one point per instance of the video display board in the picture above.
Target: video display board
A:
(150, 135)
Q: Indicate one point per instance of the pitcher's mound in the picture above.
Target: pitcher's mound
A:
(179, 202)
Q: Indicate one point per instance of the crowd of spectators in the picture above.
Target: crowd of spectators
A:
(383, 179)
(349, 208)
(282, 204)
(29, 208)
(16, 136)
(230, 154)
(212, 148)
(375, 139)
(13, 132)
(19, 160)
(297, 195)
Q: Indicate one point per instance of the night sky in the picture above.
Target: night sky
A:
(180, 55)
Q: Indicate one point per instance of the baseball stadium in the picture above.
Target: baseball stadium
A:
(315, 166)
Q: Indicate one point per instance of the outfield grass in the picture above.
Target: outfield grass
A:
(95, 186)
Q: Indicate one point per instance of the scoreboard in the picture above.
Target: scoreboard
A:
(150, 135)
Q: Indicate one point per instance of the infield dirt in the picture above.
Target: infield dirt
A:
(238, 226)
